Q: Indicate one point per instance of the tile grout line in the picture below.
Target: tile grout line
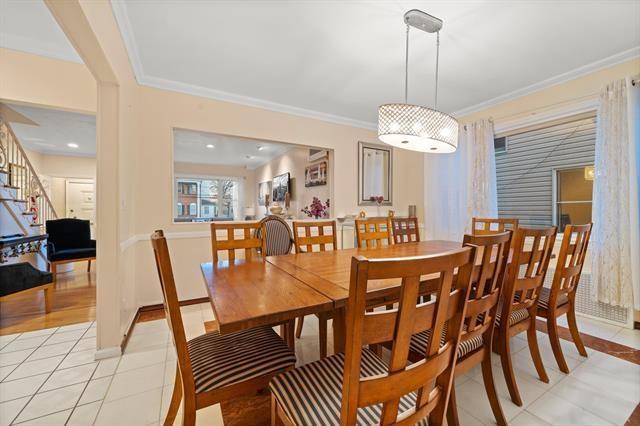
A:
(48, 377)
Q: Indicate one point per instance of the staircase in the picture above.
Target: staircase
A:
(25, 204)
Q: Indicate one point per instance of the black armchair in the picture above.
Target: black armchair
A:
(69, 241)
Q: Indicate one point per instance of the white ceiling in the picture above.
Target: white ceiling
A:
(29, 27)
(191, 147)
(55, 129)
(344, 58)
(338, 60)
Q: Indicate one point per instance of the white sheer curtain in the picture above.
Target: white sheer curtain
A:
(461, 185)
(615, 198)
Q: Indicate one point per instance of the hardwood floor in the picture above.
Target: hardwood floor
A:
(74, 301)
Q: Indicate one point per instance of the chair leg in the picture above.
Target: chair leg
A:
(322, 331)
(289, 333)
(573, 328)
(48, 294)
(492, 394)
(507, 368)
(89, 265)
(452, 408)
(176, 398)
(299, 327)
(54, 271)
(532, 339)
(275, 416)
(554, 339)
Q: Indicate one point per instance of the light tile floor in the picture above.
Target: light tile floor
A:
(49, 377)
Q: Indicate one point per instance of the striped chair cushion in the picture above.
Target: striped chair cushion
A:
(279, 237)
(545, 294)
(420, 341)
(516, 316)
(312, 394)
(221, 360)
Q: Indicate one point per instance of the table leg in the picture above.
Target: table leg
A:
(339, 330)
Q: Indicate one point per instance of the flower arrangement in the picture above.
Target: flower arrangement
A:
(316, 209)
(378, 199)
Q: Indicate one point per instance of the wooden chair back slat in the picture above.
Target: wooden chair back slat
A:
(493, 253)
(531, 253)
(431, 376)
(249, 243)
(172, 307)
(573, 251)
(405, 230)
(304, 240)
(374, 232)
(490, 226)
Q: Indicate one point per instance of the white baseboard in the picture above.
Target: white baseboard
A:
(108, 353)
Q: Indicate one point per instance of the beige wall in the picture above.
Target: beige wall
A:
(44, 81)
(295, 162)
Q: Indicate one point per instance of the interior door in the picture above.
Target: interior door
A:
(81, 201)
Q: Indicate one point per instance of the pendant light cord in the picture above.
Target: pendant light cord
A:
(406, 67)
(435, 104)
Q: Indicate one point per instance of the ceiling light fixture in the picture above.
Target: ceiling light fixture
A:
(210, 146)
(416, 127)
(72, 145)
(260, 147)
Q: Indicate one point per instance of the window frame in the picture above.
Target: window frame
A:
(554, 191)
(198, 180)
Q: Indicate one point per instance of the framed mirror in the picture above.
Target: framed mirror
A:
(375, 174)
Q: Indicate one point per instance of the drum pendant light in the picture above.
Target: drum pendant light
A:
(416, 127)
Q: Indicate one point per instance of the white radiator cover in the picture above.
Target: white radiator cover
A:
(586, 306)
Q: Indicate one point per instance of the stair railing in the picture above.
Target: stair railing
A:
(23, 180)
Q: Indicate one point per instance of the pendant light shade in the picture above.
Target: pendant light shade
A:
(417, 128)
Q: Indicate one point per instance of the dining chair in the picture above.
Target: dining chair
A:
(213, 367)
(530, 254)
(479, 322)
(405, 230)
(560, 299)
(306, 236)
(253, 238)
(248, 242)
(373, 232)
(488, 226)
(357, 386)
(278, 240)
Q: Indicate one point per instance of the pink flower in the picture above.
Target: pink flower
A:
(316, 209)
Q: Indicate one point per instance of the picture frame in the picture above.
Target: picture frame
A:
(264, 188)
(375, 173)
(316, 174)
(279, 187)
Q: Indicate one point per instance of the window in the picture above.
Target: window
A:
(574, 195)
(207, 199)
(540, 177)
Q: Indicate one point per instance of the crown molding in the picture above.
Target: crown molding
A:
(120, 12)
(122, 17)
(39, 48)
(553, 81)
(220, 95)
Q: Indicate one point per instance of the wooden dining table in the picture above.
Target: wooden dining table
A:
(246, 294)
